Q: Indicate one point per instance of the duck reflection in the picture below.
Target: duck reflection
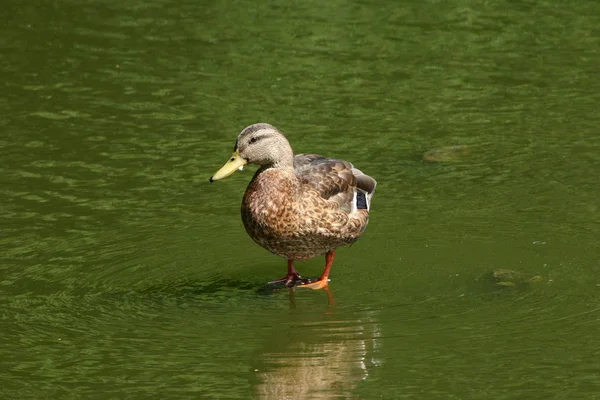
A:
(317, 355)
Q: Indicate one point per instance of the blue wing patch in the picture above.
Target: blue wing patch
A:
(361, 200)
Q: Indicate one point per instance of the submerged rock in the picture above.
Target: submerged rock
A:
(446, 154)
(510, 278)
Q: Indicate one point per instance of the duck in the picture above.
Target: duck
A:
(298, 206)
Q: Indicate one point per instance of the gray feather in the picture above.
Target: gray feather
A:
(335, 180)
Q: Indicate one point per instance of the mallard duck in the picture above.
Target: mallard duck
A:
(299, 207)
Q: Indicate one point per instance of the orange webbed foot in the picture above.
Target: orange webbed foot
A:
(320, 284)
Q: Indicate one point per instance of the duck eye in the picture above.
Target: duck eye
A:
(253, 140)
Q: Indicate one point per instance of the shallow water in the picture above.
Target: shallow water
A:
(125, 274)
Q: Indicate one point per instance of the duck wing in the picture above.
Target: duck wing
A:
(336, 181)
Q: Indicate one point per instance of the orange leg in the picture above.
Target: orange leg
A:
(324, 279)
(291, 279)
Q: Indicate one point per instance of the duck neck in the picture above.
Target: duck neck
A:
(286, 166)
(283, 161)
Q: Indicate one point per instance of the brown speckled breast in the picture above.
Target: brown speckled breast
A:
(291, 220)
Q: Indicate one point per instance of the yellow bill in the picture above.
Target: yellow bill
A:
(235, 162)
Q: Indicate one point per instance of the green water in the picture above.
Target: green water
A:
(124, 274)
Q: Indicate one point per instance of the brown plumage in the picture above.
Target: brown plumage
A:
(299, 207)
